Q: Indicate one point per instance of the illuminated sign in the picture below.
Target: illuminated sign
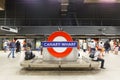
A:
(63, 44)
(59, 44)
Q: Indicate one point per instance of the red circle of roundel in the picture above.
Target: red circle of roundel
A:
(59, 54)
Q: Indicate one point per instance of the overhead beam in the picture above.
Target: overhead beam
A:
(2, 4)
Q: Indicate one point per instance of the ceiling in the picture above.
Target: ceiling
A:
(49, 12)
(75, 16)
(57, 13)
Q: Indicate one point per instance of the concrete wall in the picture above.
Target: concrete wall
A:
(73, 30)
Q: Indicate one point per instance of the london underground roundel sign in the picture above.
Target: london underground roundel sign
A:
(51, 44)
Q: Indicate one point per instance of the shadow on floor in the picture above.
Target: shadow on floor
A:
(56, 72)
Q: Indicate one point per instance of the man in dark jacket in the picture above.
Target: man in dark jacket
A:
(18, 46)
(107, 46)
(12, 48)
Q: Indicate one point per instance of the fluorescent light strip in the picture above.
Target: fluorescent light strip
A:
(2, 8)
(101, 1)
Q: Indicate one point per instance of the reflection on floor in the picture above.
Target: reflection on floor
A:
(10, 69)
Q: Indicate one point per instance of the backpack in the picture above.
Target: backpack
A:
(91, 55)
(29, 55)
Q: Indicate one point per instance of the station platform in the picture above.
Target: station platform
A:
(10, 69)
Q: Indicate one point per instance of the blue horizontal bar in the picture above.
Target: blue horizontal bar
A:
(59, 44)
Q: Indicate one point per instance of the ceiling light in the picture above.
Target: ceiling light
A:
(108, 1)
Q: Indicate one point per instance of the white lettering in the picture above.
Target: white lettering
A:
(68, 44)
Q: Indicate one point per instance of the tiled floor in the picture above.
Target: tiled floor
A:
(11, 70)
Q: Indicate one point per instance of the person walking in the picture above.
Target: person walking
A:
(5, 44)
(107, 47)
(24, 45)
(116, 49)
(17, 46)
(12, 48)
(41, 49)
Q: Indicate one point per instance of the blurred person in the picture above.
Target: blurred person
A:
(38, 46)
(92, 46)
(29, 44)
(84, 46)
(79, 53)
(24, 45)
(41, 49)
(107, 46)
(112, 45)
(78, 45)
(98, 56)
(5, 45)
(101, 46)
(12, 47)
(18, 46)
(119, 47)
(116, 48)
